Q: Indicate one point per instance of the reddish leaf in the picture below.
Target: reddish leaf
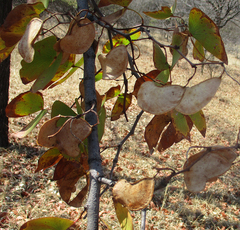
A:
(112, 92)
(154, 130)
(112, 18)
(25, 104)
(48, 159)
(150, 76)
(120, 106)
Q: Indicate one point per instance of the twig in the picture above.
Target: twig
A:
(143, 219)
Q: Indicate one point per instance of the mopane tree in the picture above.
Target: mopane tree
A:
(72, 135)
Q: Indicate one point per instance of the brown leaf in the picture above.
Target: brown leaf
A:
(134, 196)
(207, 166)
(154, 129)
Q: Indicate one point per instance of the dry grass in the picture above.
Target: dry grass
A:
(26, 195)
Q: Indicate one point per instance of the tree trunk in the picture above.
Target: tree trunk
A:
(94, 158)
(5, 8)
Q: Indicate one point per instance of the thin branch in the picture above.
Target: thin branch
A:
(143, 219)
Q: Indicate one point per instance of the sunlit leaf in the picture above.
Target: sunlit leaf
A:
(112, 92)
(135, 196)
(71, 72)
(207, 166)
(199, 121)
(98, 76)
(149, 77)
(207, 33)
(45, 2)
(62, 69)
(198, 96)
(47, 75)
(124, 216)
(59, 108)
(47, 223)
(173, 7)
(43, 57)
(198, 51)
(160, 60)
(120, 40)
(25, 47)
(154, 129)
(101, 125)
(27, 129)
(159, 99)
(80, 37)
(117, 2)
(179, 40)
(180, 123)
(121, 105)
(114, 64)
(164, 13)
(5, 51)
(25, 104)
(48, 159)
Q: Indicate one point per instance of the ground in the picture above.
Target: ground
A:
(26, 195)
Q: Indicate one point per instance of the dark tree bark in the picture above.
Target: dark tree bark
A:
(5, 8)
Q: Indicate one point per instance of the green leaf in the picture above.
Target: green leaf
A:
(48, 159)
(98, 76)
(199, 121)
(47, 223)
(174, 6)
(59, 108)
(198, 51)
(160, 61)
(124, 216)
(27, 129)
(25, 104)
(63, 68)
(71, 72)
(43, 57)
(207, 33)
(180, 123)
(120, 40)
(163, 76)
(118, 108)
(47, 75)
(101, 125)
(79, 108)
(164, 13)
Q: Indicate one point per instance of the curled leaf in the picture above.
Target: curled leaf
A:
(159, 99)
(164, 13)
(114, 63)
(207, 166)
(80, 38)
(134, 196)
(198, 96)
(25, 47)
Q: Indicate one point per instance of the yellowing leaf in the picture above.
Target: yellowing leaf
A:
(159, 99)
(114, 63)
(117, 2)
(25, 48)
(164, 13)
(47, 223)
(134, 196)
(198, 51)
(48, 159)
(80, 39)
(124, 217)
(112, 92)
(25, 104)
(160, 61)
(27, 129)
(120, 106)
(207, 33)
(198, 96)
(207, 166)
